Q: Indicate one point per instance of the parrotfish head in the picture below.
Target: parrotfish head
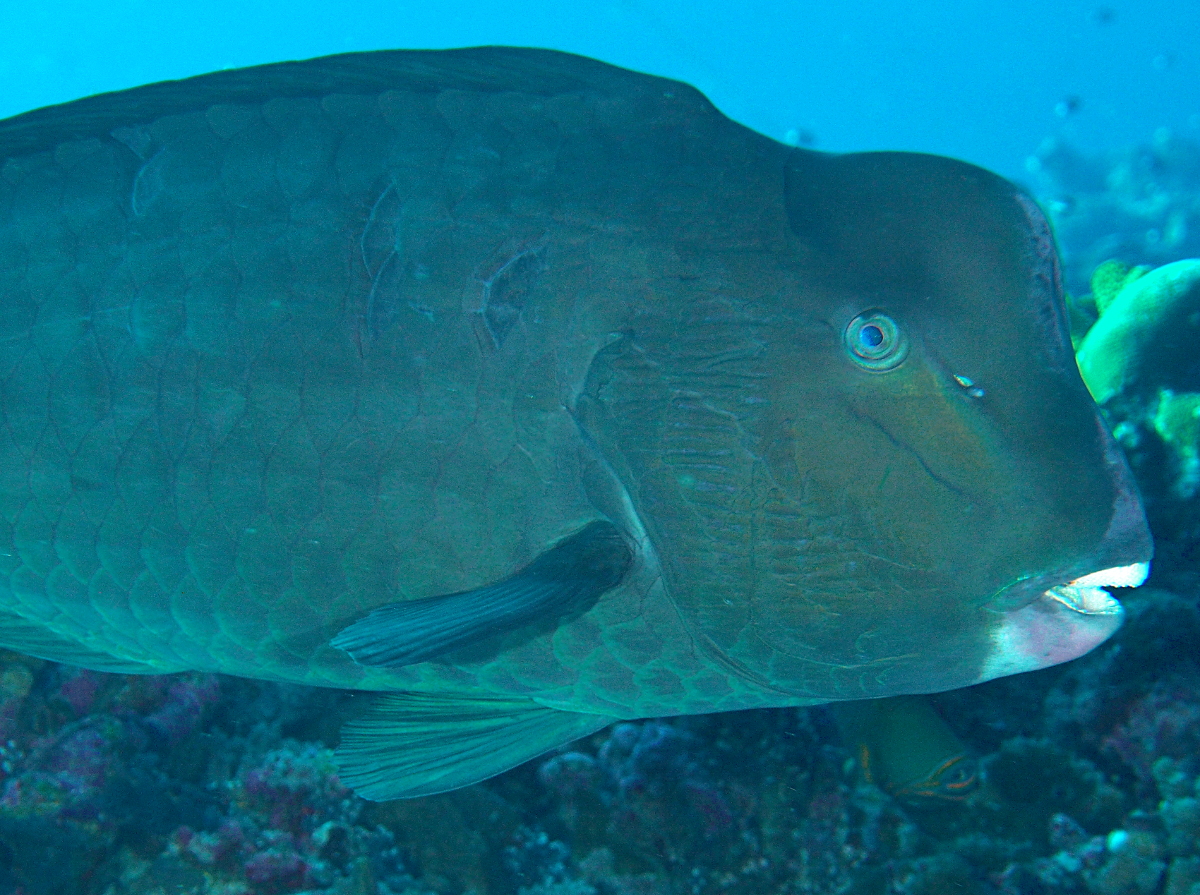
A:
(945, 502)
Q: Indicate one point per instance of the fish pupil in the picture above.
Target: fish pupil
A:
(871, 336)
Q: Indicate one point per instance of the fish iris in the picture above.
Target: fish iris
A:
(875, 342)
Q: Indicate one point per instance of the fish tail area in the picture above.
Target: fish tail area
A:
(415, 744)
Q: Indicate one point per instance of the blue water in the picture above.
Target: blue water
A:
(984, 81)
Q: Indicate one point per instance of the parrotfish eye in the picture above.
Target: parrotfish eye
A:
(875, 342)
(960, 778)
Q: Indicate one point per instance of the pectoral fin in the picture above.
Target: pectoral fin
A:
(563, 582)
(411, 744)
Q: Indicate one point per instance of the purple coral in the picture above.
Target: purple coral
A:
(182, 712)
(1163, 722)
(291, 787)
(66, 773)
(649, 773)
(647, 757)
(79, 688)
(277, 868)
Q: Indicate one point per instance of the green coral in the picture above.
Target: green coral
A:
(1110, 278)
(1147, 333)
(1141, 359)
(1177, 421)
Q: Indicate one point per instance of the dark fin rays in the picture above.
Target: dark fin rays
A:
(563, 582)
(412, 744)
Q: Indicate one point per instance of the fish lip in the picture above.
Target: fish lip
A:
(1123, 553)
(1087, 595)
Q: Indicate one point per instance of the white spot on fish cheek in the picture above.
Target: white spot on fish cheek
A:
(969, 386)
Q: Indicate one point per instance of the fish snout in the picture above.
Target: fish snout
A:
(1059, 616)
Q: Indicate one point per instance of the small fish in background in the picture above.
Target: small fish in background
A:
(906, 748)
(1163, 61)
(801, 136)
(1068, 106)
(533, 395)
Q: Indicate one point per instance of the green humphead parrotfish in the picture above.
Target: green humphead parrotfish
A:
(532, 394)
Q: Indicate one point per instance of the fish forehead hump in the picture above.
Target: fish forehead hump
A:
(288, 344)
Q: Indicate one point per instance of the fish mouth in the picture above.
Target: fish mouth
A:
(1061, 623)
(1087, 595)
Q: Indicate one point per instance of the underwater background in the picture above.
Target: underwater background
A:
(1090, 772)
(978, 80)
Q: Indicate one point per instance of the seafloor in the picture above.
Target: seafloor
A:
(1090, 771)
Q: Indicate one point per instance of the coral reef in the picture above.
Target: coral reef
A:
(1145, 337)
(1140, 204)
(1093, 788)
